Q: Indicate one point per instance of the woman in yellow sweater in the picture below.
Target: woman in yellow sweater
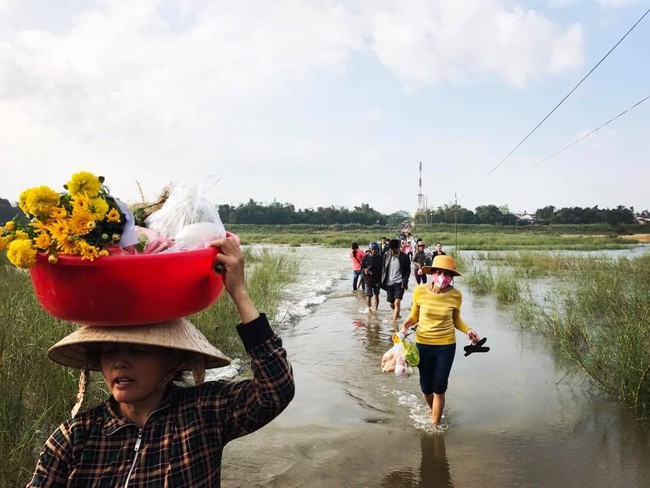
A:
(436, 311)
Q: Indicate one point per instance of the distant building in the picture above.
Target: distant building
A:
(526, 217)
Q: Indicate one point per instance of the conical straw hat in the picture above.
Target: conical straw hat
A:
(75, 349)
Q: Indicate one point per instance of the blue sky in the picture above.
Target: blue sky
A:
(320, 102)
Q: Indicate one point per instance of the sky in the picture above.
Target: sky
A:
(318, 103)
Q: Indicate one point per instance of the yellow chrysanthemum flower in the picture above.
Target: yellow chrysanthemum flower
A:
(21, 253)
(67, 245)
(3, 243)
(98, 208)
(22, 201)
(41, 227)
(43, 241)
(59, 213)
(59, 230)
(84, 183)
(80, 204)
(113, 215)
(89, 252)
(79, 223)
(39, 201)
(11, 225)
(21, 234)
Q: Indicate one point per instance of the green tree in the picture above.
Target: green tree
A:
(489, 214)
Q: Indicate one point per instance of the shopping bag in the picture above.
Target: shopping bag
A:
(389, 358)
(411, 352)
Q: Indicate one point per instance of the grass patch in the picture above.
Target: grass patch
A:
(505, 286)
(469, 237)
(598, 315)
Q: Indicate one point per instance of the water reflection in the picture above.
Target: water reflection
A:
(372, 333)
(434, 467)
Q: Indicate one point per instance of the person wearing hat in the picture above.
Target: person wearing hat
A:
(395, 274)
(371, 268)
(419, 259)
(436, 311)
(151, 432)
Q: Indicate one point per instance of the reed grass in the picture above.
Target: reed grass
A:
(598, 316)
(505, 286)
(37, 395)
(479, 281)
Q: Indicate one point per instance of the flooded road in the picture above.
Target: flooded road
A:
(517, 417)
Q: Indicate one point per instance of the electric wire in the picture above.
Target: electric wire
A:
(584, 136)
(556, 106)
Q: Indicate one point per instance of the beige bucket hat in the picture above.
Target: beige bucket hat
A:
(75, 349)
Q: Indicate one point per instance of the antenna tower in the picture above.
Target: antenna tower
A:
(420, 196)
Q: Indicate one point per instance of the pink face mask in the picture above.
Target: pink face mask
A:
(442, 281)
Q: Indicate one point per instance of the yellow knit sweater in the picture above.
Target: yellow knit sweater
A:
(437, 315)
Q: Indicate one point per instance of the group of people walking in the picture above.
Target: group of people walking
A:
(387, 265)
(435, 309)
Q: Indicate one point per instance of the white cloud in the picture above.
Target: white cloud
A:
(456, 40)
(157, 91)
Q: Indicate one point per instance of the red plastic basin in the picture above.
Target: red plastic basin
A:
(127, 289)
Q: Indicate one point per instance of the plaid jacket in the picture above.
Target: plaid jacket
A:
(182, 441)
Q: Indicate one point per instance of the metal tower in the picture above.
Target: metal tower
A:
(420, 196)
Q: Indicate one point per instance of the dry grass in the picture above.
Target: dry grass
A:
(640, 238)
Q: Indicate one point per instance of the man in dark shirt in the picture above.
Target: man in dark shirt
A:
(395, 273)
(371, 268)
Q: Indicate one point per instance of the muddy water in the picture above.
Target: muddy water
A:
(517, 417)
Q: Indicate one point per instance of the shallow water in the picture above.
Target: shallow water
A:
(516, 416)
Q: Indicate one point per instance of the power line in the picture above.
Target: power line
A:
(584, 136)
(556, 107)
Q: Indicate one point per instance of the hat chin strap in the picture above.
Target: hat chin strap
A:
(84, 380)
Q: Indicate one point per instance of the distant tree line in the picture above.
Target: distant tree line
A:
(285, 214)
(491, 214)
(258, 213)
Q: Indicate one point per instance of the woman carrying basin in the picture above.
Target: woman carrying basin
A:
(151, 432)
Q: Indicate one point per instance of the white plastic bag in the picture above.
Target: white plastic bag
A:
(185, 206)
(198, 236)
(401, 368)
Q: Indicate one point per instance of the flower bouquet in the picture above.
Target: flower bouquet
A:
(83, 221)
(89, 263)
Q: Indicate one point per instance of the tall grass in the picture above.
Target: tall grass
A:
(597, 316)
(37, 395)
(480, 281)
(602, 322)
(505, 286)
